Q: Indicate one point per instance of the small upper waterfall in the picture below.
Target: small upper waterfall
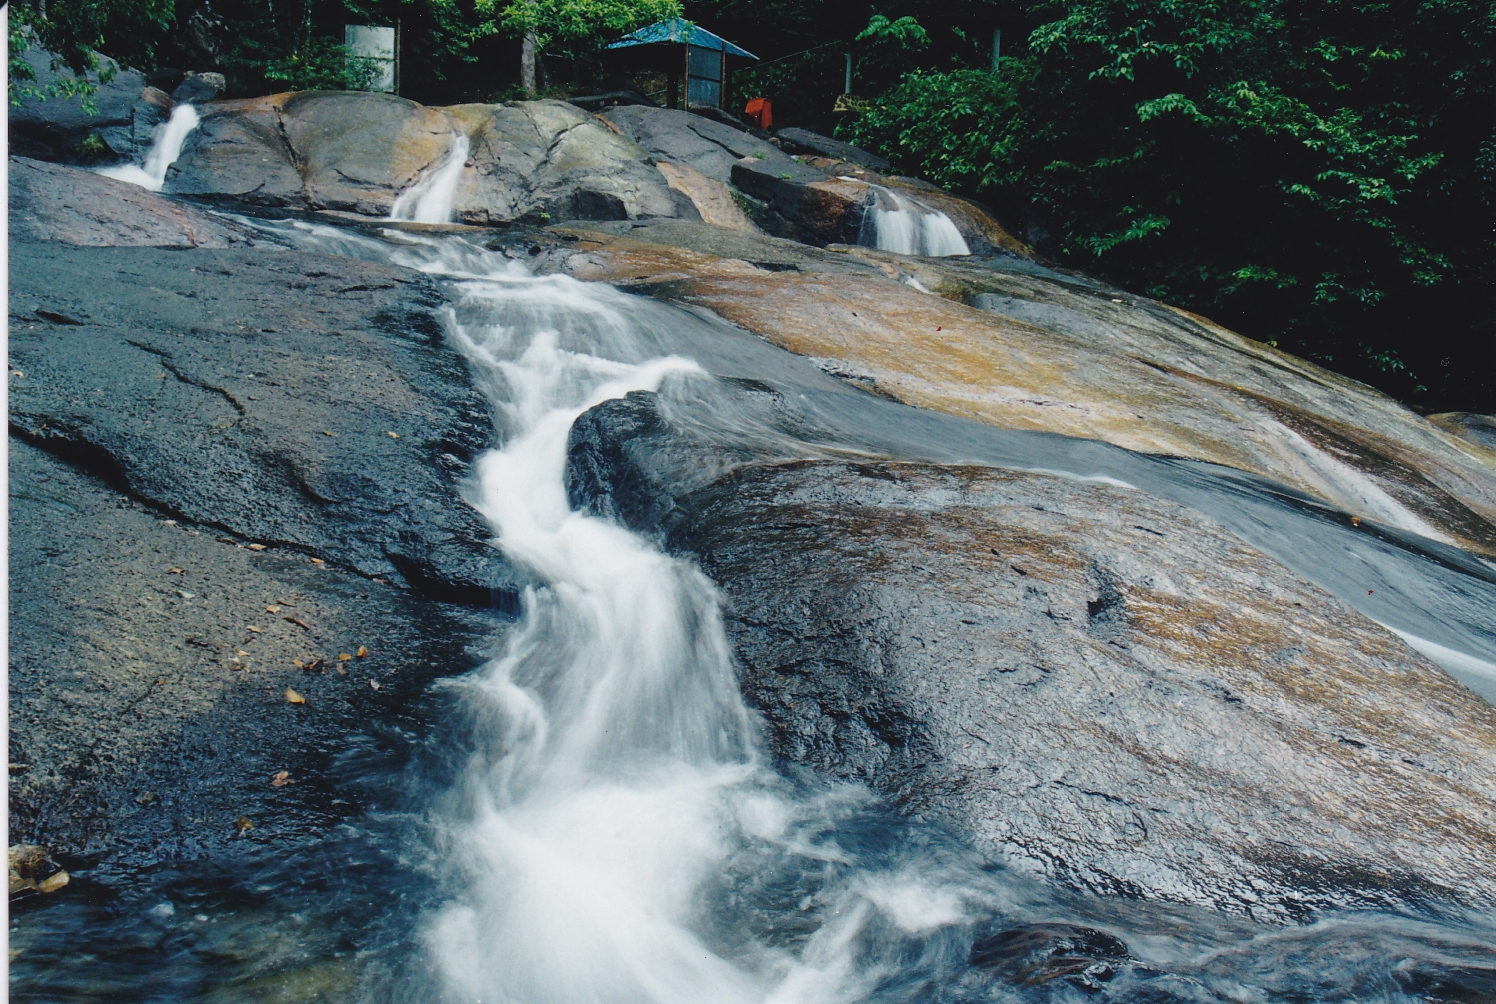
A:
(905, 225)
(165, 149)
(429, 200)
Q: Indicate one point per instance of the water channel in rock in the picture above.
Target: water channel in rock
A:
(589, 815)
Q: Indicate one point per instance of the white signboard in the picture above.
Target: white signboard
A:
(376, 47)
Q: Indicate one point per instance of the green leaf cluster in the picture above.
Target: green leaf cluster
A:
(576, 28)
(1313, 172)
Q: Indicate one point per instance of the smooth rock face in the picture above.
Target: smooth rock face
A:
(1061, 353)
(256, 391)
(1087, 681)
(710, 148)
(149, 718)
(357, 151)
(55, 202)
(712, 199)
(239, 151)
(1477, 430)
(537, 159)
(804, 141)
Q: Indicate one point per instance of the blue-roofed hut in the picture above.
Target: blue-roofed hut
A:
(677, 46)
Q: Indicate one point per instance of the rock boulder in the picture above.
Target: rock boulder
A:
(1090, 683)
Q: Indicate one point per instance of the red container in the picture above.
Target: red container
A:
(760, 112)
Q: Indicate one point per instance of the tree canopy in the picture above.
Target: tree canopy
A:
(1314, 173)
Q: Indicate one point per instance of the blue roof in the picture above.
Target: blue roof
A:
(681, 31)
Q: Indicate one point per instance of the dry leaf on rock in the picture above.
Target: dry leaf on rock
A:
(294, 697)
(174, 570)
(374, 684)
(361, 652)
(272, 610)
(344, 657)
(280, 779)
(257, 547)
(244, 824)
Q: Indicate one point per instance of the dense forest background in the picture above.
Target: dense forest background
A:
(1315, 174)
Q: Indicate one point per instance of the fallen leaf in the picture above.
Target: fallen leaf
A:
(169, 522)
(294, 697)
(332, 434)
(257, 547)
(297, 621)
(240, 651)
(175, 571)
(394, 435)
(318, 561)
(285, 603)
(272, 610)
(244, 824)
(313, 664)
(281, 779)
(298, 664)
(1355, 521)
(361, 652)
(374, 684)
(344, 657)
(253, 628)
(184, 594)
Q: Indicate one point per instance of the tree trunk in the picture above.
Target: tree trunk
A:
(527, 63)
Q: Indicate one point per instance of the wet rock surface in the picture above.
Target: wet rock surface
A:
(149, 664)
(237, 530)
(291, 399)
(1093, 684)
(356, 152)
(60, 203)
(1011, 343)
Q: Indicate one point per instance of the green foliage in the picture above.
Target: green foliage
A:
(72, 31)
(576, 27)
(1314, 172)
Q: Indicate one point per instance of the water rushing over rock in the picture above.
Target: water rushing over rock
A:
(952, 637)
(170, 136)
(904, 225)
(429, 200)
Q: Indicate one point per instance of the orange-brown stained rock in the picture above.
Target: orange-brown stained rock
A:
(1078, 358)
(1098, 685)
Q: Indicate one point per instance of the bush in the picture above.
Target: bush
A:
(1312, 176)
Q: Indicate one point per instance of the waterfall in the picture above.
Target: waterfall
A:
(166, 147)
(615, 792)
(429, 199)
(905, 225)
(611, 830)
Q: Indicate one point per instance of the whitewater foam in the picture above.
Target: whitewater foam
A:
(166, 147)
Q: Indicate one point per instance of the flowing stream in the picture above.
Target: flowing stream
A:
(617, 832)
(610, 830)
(166, 147)
(429, 199)
(904, 225)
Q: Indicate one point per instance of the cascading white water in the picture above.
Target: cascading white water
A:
(166, 147)
(904, 225)
(616, 772)
(429, 199)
